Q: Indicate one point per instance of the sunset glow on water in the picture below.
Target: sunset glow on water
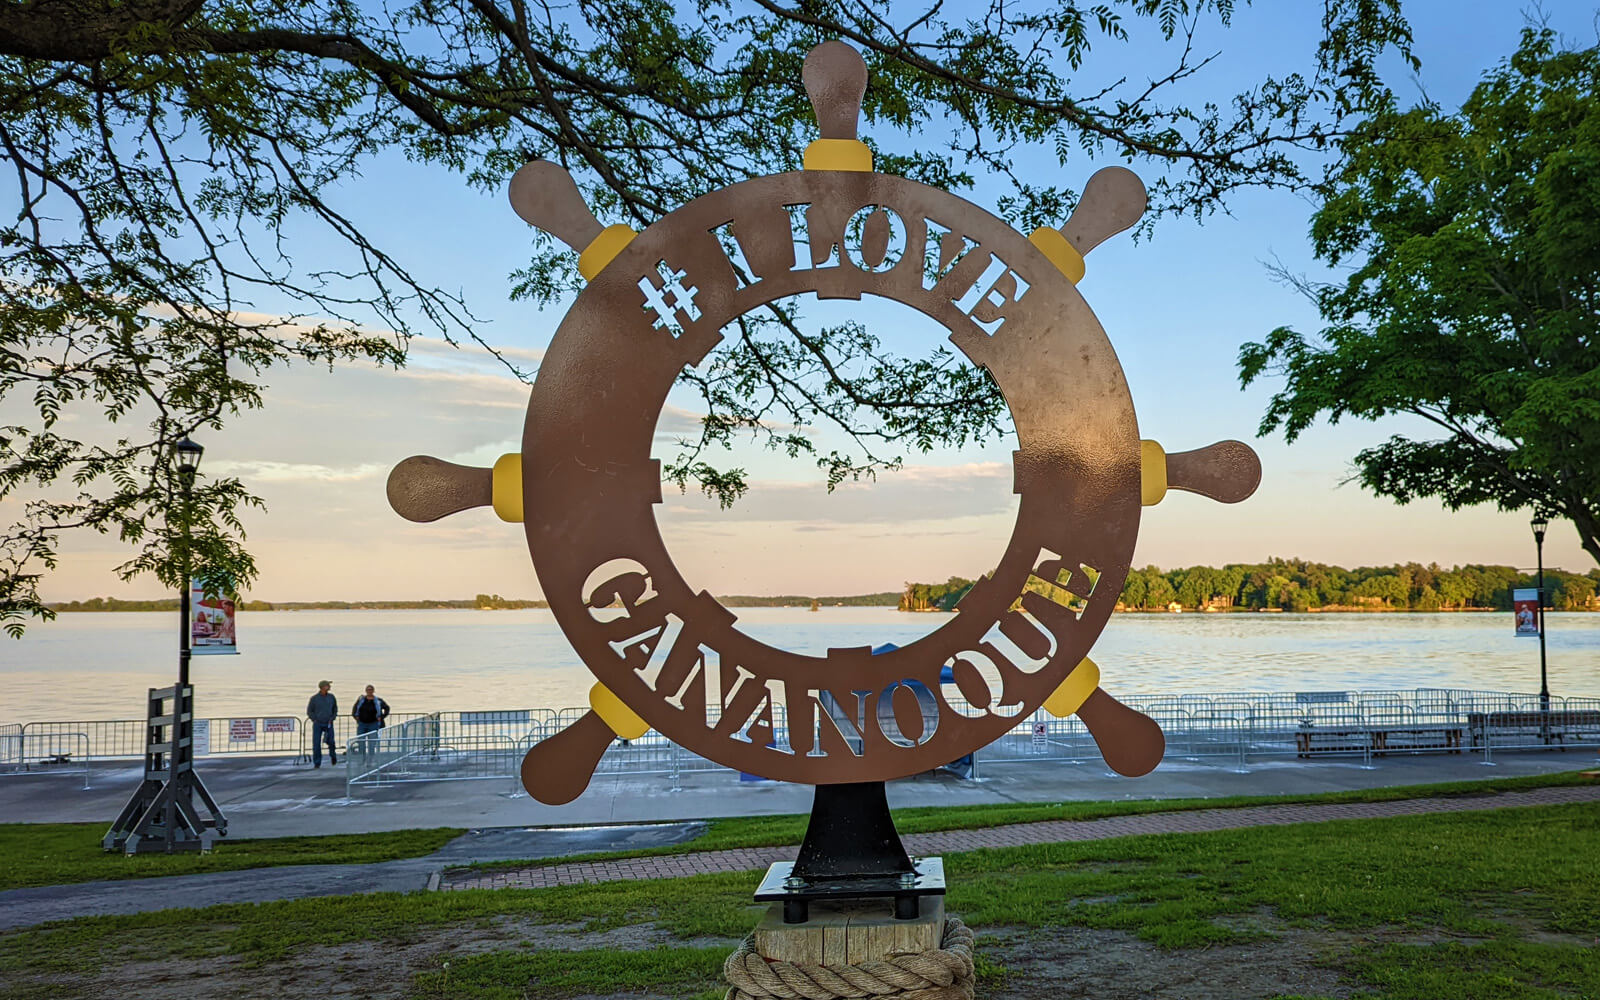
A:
(98, 666)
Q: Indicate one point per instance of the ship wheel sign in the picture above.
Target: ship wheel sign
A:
(668, 656)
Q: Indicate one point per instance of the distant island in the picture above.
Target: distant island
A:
(887, 599)
(1298, 585)
(488, 602)
(483, 602)
(1275, 585)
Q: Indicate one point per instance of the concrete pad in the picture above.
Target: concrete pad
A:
(276, 797)
(519, 843)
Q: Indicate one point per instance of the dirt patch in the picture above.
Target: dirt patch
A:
(1039, 963)
(364, 971)
(1069, 962)
(1534, 930)
(1114, 965)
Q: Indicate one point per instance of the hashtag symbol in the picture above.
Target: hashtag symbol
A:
(669, 299)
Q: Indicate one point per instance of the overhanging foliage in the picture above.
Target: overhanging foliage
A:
(162, 153)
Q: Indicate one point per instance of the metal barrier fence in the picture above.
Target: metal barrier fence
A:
(1313, 724)
(375, 760)
(125, 738)
(26, 753)
(111, 739)
(344, 730)
(429, 749)
(1230, 727)
(10, 745)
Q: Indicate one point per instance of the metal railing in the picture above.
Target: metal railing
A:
(1228, 727)
(422, 749)
(287, 735)
(1315, 724)
(10, 745)
(112, 739)
(25, 753)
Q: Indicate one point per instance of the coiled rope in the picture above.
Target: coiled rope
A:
(942, 974)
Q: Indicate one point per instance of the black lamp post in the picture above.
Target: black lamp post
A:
(188, 454)
(1539, 524)
(163, 814)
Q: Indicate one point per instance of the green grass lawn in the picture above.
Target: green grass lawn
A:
(777, 831)
(1495, 905)
(60, 853)
(34, 854)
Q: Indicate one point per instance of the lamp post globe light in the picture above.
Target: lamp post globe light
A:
(189, 453)
(1539, 524)
(164, 813)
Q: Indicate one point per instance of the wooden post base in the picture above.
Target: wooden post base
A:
(849, 932)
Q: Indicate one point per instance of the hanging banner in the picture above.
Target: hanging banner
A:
(1525, 605)
(212, 628)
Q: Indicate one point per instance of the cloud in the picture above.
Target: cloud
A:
(418, 347)
(676, 422)
(464, 389)
(914, 493)
(292, 472)
(485, 455)
(430, 352)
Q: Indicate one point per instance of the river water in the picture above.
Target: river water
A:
(98, 666)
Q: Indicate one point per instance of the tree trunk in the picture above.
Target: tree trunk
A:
(1588, 530)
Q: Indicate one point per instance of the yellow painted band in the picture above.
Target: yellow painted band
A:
(1060, 251)
(507, 491)
(622, 719)
(602, 249)
(1153, 473)
(838, 154)
(1075, 690)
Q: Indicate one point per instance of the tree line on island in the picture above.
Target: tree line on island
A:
(482, 602)
(486, 602)
(1299, 585)
(1275, 585)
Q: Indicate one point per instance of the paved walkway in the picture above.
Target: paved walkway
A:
(273, 797)
(26, 907)
(1017, 835)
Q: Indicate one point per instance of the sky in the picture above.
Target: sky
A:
(1176, 306)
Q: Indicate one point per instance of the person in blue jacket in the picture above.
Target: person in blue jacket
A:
(322, 709)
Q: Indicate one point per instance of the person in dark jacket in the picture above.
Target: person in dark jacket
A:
(369, 713)
(322, 709)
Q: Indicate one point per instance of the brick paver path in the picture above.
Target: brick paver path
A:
(1016, 835)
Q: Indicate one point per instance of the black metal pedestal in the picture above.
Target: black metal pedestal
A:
(851, 851)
